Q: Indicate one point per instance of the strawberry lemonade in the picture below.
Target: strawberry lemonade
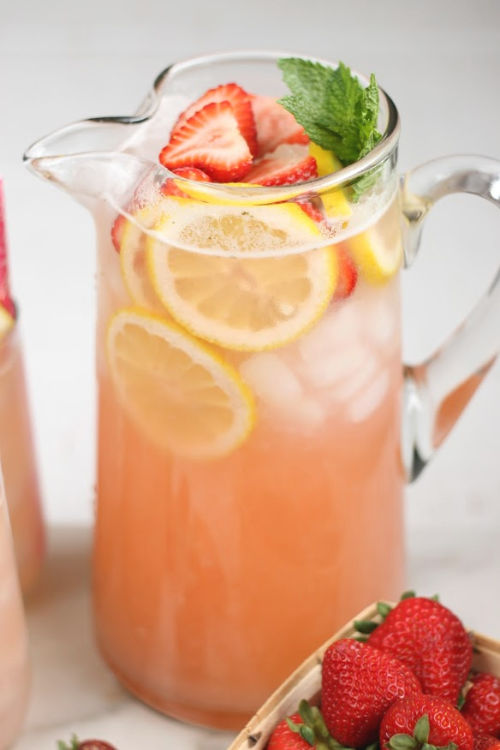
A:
(16, 442)
(249, 484)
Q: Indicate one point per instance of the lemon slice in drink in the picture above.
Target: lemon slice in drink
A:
(245, 303)
(133, 257)
(378, 252)
(185, 397)
(6, 322)
(334, 201)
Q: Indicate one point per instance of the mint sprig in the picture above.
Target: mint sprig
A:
(334, 109)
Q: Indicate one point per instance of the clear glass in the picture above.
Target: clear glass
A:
(220, 563)
(18, 460)
(14, 666)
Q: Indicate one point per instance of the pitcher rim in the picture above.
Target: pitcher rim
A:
(384, 148)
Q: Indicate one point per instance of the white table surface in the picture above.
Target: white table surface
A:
(73, 690)
(59, 61)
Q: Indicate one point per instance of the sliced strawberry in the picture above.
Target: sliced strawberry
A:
(117, 231)
(210, 140)
(348, 274)
(284, 166)
(275, 125)
(312, 210)
(170, 187)
(242, 109)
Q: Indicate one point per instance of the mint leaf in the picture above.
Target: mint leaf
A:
(334, 109)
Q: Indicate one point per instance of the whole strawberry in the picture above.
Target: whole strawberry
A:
(482, 704)
(486, 742)
(286, 738)
(75, 744)
(358, 684)
(422, 721)
(431, 641)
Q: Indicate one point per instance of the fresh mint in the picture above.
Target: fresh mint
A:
(335, 110)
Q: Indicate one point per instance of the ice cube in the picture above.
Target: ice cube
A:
(271, 378)
(331, 368)
(277, 386)
(370, 399)
(339, 325)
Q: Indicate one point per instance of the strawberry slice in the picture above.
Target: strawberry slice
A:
(170, 187)
(117, 231)
(348, 274)
(311, 209)
(5, 299)
(275, 125)
(242, 109)
(284, 166)
(210, 140)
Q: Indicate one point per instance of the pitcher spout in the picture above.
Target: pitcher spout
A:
(90, 159)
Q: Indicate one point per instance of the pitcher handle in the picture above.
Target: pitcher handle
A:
(436, 391)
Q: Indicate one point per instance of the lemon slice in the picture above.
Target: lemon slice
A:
(243, 303)
(378, 252)
(6, 322)
(237, 230)
(334, 201)
(185, 397)
(133, 256)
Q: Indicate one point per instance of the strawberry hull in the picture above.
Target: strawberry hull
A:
(305, 682)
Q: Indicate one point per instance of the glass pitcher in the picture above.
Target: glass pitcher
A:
(256, 427)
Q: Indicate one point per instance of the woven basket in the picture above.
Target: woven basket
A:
(305, 682)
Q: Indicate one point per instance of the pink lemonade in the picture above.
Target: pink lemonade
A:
(14, 668)
(214, 578)
(18, 459)
(16, 443)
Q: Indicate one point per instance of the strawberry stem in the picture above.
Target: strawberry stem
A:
(314, 730)
(407, 595)
(74, 744)
(365, 626)
(383, 609)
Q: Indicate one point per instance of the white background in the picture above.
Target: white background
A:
(63, 61)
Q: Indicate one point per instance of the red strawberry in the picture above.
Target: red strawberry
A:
(482, 704)
(431, 641)
(442, 724)
(359, 683)
(348, 274)
(284, 738)
(275, 125)
(5, 299)
(75, 744)
(211, 141)
(117, 231)
(284, 166)
(486, 742)
(311, 209)
(242, 110)
(170, 187)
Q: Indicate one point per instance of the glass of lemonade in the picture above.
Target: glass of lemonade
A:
(16, 442)
(250, 473)
(18, 458)
(14, 668)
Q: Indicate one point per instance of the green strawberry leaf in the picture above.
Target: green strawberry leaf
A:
(422, 729)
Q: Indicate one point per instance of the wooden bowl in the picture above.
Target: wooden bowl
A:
(305, 682)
